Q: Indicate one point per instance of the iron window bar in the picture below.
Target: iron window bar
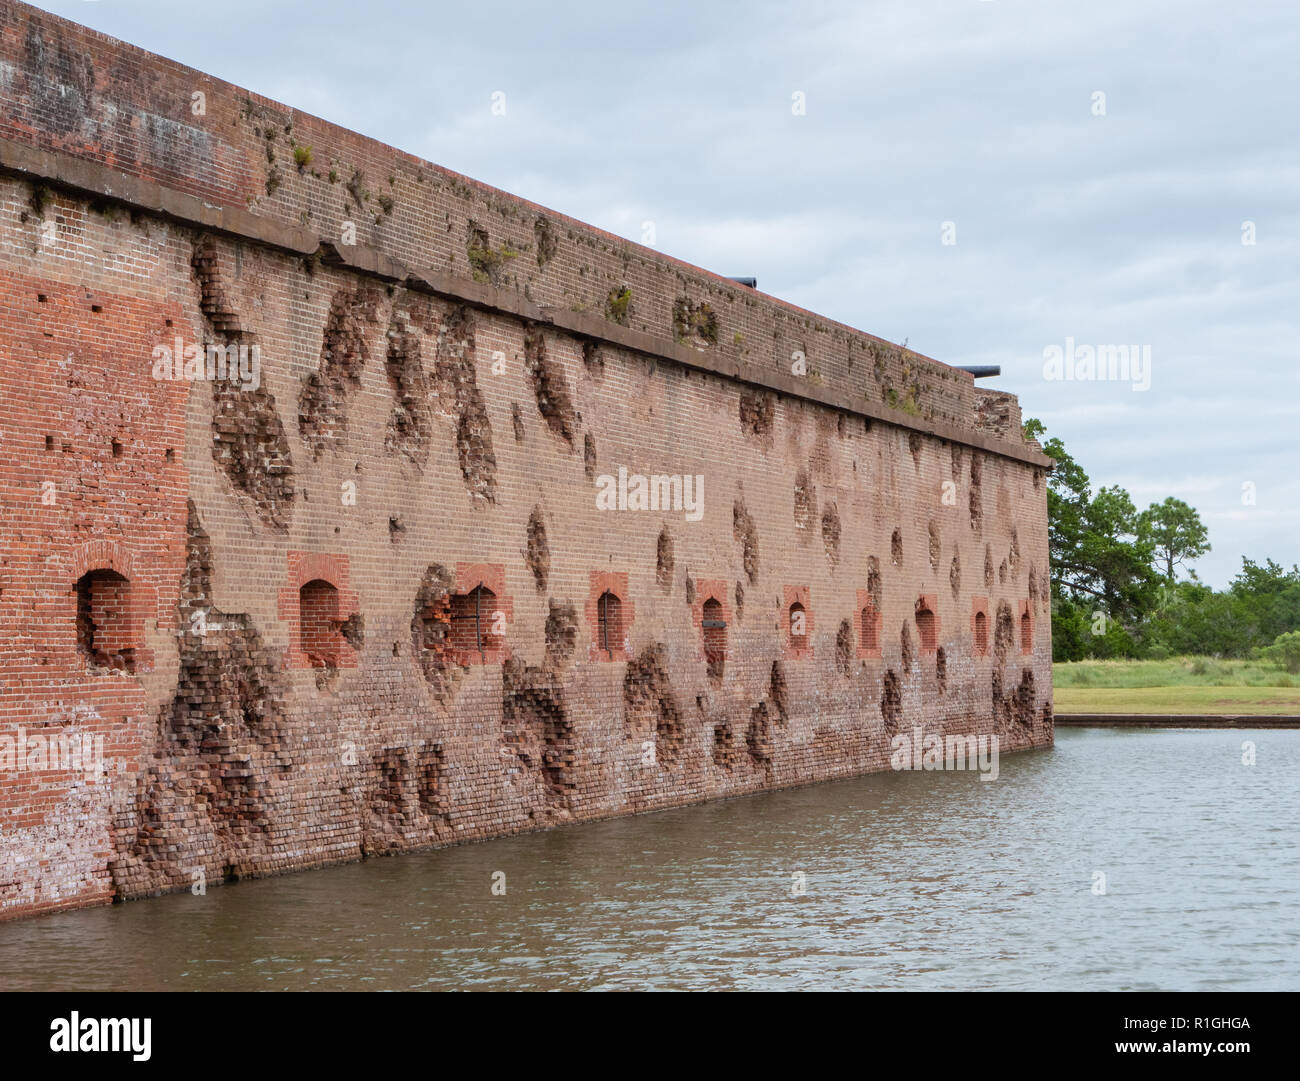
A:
(480, 645)
(602, 620)
(478, 624)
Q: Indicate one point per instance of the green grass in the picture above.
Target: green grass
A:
(1174, 672)
(1176, 685)
(1261, 700)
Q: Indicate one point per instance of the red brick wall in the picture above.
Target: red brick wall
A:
(479, 629)
(408, 443)
(927, 622)
(866, 626)
(72, 383)
(980, 626)
(314, 603)
(319, 622)
(621, 616)
(798, 622)
(1026, 627)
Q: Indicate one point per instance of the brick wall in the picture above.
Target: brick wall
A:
(274, 576)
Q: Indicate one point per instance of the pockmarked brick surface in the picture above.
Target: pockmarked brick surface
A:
(360, 507)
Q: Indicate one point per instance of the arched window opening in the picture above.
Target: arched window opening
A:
(981, 633)
(473, 616)
(870, 629)
(103, 620)
(927, 628)
(1026, 632)
(609, 623)
(798, 626)
(319, 623)
(715, 638)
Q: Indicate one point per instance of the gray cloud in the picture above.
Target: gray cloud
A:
(1117, 229)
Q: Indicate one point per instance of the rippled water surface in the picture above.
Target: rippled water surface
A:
(914, 880)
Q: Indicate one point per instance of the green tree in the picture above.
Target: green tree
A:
(1191, 618)
(1177, 532)
(1098, 548)
(1270, 598)
(1114, 592)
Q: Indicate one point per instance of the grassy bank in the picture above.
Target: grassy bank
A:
(1176, 685)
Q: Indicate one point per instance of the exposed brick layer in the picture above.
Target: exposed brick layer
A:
(371, 604)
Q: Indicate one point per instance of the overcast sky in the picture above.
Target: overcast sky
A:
(1122, 228)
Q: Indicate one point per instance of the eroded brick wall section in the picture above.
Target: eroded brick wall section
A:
(92, 540)
(372, 602)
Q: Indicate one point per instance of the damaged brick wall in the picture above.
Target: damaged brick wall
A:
(92, 540)
(248, 439)
(649, 707)
(286, 677)
(455, 389)
(219, 748)
(549, 387)
(431, 631)
(410, 427)
(537, 731)
(345, 349)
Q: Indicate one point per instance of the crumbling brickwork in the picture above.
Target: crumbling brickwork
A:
(372, 600)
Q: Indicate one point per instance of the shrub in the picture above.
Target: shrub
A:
(1284, 651)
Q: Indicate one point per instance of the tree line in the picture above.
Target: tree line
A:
(1117, 590)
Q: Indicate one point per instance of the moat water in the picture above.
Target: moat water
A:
(912, 880)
